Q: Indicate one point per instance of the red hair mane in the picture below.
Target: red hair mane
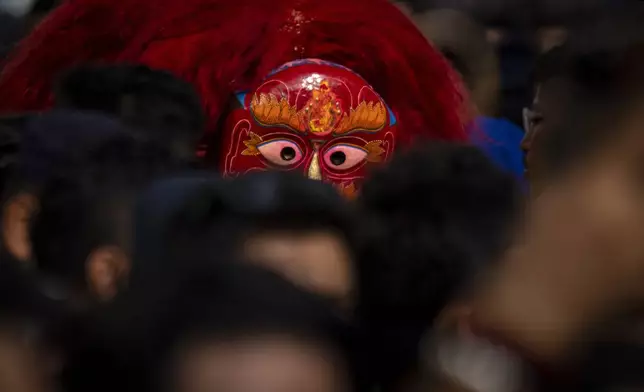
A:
(223, 46)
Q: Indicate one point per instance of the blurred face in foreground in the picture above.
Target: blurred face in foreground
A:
(264, 363)
(583, 255)
(594, 215)
(318, 261)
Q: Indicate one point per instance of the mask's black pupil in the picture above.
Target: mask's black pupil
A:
(338, 158)
(288, 153)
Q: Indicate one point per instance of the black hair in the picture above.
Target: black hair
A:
(20, 298)
(441, 213)
(214, 302)
(11, 129)
(445, 212)
(156, 102)
(91, 206)
(36, 147)
(217, 215)
(289, 201)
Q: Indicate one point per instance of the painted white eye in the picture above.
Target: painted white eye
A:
(281, 152)
(344, 156)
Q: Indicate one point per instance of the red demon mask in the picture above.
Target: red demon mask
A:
(316, 117)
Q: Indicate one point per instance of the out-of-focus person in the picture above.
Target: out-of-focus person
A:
(438, 216)
(577, 267)
(300, 228)
(553, 97)
(46, 145)
(82, 233)
(156, 104)
(465, 44)
(577, 270)
(225, 327)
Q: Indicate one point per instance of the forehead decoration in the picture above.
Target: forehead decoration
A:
(314, 116)
(322, 114)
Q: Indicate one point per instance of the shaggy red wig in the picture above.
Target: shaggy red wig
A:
(223, 46)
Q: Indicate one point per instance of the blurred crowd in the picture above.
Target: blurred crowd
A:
(159, 234)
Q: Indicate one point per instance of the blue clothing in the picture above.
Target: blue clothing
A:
(500, 139)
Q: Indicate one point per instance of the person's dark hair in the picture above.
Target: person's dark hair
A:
(441, 213)
(20, 297)
(216, 216)
(444, 212)
(11, 132)
(41, 146)
(211, 303)
(157, 102)
(91, 206)
(289, 201)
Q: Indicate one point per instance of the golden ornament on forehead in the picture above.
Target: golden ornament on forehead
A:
(322, 113)
(368, 116)
(268, 110)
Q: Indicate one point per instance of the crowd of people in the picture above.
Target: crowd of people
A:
(305, 196)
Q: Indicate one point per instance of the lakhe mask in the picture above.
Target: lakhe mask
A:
(311, 116)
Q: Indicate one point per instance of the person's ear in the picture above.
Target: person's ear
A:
(16, 217)
(107, 268)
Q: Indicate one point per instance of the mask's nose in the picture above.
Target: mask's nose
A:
(314, 168)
